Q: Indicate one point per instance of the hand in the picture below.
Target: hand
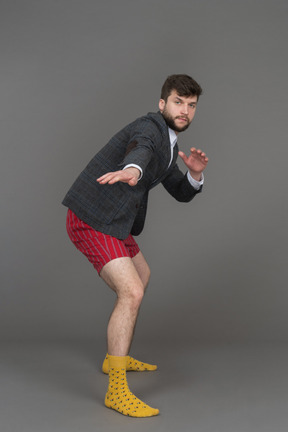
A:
(128, 175)
(196, 162)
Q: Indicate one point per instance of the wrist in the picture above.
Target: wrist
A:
(135, 172)
(196, 176)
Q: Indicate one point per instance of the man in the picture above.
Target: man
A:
(107, 206)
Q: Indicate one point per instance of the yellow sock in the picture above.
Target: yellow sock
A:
(131, 365)
(119, 397)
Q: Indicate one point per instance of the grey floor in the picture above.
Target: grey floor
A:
(211, 388)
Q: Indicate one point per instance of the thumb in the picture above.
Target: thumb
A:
(132, 182)
(183, 156)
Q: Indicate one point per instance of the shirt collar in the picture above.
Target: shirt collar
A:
(172, 136)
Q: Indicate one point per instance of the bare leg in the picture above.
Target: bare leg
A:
(133, 364)
(128, 279)
(142, 268)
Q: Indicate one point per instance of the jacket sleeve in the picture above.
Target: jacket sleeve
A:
(178, 185)
(142, 144)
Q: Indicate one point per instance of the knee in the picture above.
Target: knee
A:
(135, 296)
(145, 277)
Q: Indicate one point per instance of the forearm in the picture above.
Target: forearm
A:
(180, 186)
(194, 182)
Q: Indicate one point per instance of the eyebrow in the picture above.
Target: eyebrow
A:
(180, 99)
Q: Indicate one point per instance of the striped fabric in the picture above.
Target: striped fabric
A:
(99, 248)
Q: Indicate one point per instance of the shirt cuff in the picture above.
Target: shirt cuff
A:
(196, 184)
(138, 167)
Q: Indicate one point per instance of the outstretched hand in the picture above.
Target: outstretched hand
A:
(196, 162)
(128, 175)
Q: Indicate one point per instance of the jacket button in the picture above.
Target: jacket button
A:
(137, 205)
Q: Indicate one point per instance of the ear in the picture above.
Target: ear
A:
(161, 105)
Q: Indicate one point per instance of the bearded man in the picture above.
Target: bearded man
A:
(107, 207)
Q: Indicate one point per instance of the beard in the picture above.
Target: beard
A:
(170, 121)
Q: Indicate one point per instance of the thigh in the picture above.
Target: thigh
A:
(122, 276)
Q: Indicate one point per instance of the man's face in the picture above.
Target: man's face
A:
(178, 111)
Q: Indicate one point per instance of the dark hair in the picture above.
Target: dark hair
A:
(183, 84)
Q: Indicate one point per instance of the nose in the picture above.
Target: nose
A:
(184, 109)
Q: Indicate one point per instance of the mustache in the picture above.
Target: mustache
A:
(182, 117)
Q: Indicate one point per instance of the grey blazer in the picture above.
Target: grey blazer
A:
(120, 209)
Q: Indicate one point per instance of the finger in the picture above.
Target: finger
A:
(103, 179)
(132, 181)
(105, 176)
(203, 156)
(106, 179)
(114, 179)
(199, 152)
(194, 150)
(119, 176)
(183, 156)
(109, 178)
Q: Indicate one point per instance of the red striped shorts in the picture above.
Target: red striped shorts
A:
(99, 248)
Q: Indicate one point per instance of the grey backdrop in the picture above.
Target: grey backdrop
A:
(72, 74)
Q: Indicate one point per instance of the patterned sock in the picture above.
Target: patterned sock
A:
(119, 397)
(132, 365)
